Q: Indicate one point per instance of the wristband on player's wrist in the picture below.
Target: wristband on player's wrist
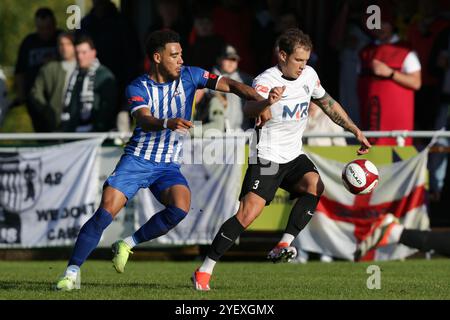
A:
(165, 123)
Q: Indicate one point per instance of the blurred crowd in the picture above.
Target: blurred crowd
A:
(393, 77)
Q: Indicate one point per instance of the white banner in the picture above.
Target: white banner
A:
(343, 219)
(47, 193)
(214, 191)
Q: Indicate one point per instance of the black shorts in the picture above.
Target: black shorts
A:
(265, 177)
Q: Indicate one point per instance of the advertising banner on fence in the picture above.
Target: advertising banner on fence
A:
(342, 219)
(47, 193)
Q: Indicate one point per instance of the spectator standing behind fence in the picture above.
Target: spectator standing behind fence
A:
(35, 50)
(118, 49)
(228, 65)
(389, 75)
(171, 14)
(439, 66)
(90, 97)
(233, 21)
(421, 34)
(115, 40)
(264, 32)
(218, 110)
(47, 93)
(348, 36)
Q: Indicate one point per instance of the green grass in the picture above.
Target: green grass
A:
(411, 279)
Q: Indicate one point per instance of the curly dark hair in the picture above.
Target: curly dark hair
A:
(158, 39)
(292, 38)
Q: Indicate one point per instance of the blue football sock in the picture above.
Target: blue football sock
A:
(159, 224)
(89, 236)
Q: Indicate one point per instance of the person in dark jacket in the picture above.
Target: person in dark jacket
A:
(36, 49)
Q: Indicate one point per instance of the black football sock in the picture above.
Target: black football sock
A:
(427, 240)
(227, 235)
(301, 213)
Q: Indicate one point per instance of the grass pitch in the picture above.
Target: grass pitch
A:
(411, 279)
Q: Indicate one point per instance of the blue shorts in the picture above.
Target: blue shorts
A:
(133, 173)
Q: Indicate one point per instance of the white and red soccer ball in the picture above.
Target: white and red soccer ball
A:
(360, 176)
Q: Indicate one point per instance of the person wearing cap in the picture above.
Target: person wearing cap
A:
(228, 65)
(390, 73)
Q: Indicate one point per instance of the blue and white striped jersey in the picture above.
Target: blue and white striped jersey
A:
(165, 100)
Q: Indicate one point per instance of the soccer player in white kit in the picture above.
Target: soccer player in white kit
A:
(279, 160)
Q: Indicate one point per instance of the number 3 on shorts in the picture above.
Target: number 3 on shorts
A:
(255, 186)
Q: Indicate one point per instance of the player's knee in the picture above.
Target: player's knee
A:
(320, 187)
(315, 185)
(178, 196)
(245, 219)
(110, 206)
(113, 201)
(183, 206)
(248, 213)
(174, 216)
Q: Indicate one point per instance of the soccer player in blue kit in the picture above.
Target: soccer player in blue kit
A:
(161, 103)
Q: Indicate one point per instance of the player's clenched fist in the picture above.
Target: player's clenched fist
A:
(179, 124)
(264, 117)
(275, 94)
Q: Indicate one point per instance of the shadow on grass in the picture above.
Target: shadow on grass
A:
(7, 285)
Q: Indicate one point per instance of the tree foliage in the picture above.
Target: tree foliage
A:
(17, 21)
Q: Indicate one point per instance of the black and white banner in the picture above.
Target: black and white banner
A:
(47, 193)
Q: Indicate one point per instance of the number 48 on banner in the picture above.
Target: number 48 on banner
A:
(53, 178)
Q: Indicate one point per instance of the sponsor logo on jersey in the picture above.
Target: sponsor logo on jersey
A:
(300, 111)
(306, 88)
(261, 88)
(135, 99)
(206, 74)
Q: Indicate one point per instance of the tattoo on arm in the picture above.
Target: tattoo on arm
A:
(333, 110)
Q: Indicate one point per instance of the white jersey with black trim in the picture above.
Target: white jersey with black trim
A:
(280, 139)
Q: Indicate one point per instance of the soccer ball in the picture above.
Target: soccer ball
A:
(360, 176)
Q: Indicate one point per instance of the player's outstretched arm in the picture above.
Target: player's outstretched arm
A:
(244, 91)
(149, 123)
(254, 109)
(336, 113)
